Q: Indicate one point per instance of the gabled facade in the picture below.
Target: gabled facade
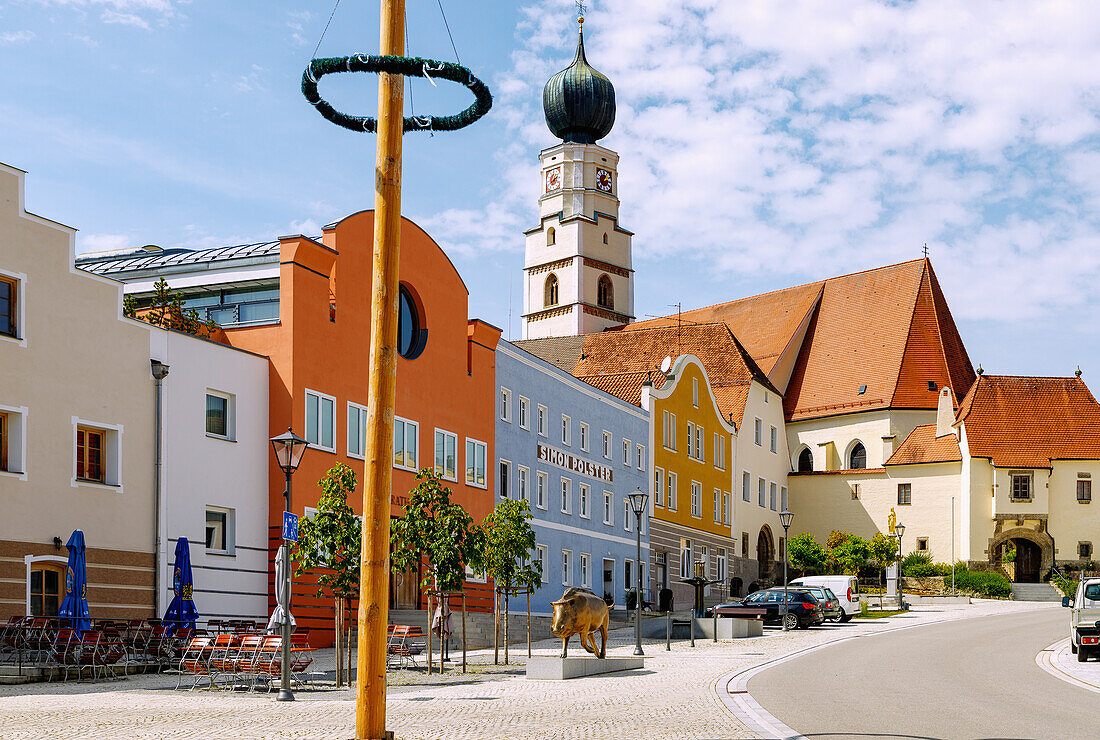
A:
(574, 453)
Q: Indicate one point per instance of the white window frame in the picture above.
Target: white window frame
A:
(507, 484)
(727, 506)
(664, 430)
(671, 490)
(566, 567)
(658, 486)
(700, 443)
(691, 440)
(773, 495)
(435, 452)
(20, 280)
(696, 499)
(485, 455)
(584, 494)
(584, 437)
(505, 404)
(523, 482)
(608, 509)
(722, 571)
(112, 455)
(360, 411)
(566, 430)
(758, 431)
(640, 460)
(524, 413)
(540, 421)
(542, 555)
(686, 562)
(607, 444)
(704, 555)
(762, 493)
(320, 416)
(773, 440)
(626, 452)
(230, 416)
(671, 444)
(566, 495)
(230, 534)
(695, 392)
(782, 498)
(17, 443)
(405, 441)
(586, 570)
(628, 516)
(746, 486)
(542, 489)
(717, 505)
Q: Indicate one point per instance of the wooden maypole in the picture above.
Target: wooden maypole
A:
(370, 682)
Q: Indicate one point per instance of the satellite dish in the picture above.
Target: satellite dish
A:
(666, 365)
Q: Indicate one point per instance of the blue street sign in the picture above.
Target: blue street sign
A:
(290, 526)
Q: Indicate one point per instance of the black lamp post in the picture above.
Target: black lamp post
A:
(899, 530)
(785, 518)
(638, 501)
(289, 449)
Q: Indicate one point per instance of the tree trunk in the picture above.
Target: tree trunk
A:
(496, 625)
(347, 624)
(506, 627)
(339, 617)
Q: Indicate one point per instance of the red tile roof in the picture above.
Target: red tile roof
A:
(1026, 422)
(923, 446)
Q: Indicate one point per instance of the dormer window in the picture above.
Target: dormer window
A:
(932, 385)
(862, 389)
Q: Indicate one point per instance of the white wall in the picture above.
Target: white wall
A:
(869, 427)
(200, 470)
(760, 461)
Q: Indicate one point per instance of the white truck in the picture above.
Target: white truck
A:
(1084, 619)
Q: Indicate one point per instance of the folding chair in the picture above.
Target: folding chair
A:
(194, 660)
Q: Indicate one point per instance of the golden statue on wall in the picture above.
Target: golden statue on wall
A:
(893, 521)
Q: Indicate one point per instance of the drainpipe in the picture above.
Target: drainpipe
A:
(160, 372)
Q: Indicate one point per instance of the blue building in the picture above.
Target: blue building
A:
(574, 453)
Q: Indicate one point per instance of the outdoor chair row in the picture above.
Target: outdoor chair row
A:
(243, 660)
(404, 646)
(50, 642)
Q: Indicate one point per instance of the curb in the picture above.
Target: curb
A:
(1045, 660)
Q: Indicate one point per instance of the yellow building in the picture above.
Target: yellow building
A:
(692, 448)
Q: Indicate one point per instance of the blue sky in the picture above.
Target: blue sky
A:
(763, 144)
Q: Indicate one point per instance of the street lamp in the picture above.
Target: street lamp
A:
(289, 449)
(785, 518)
(638, 501)
(899, 530)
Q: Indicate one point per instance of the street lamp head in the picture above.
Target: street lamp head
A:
(899, 529)
(289, 449)
(785, 518)
(638, 501)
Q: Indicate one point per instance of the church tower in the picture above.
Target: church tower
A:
(577, 270)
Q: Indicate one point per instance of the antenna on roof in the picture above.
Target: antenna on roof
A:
(925, 250)
(679, 308)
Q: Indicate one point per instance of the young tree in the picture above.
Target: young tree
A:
(846, 552)
(883, 550)
(329, 545)
(167, 311)
(806, 553)
(509, 542)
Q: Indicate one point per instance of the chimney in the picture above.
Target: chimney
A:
(945, 414)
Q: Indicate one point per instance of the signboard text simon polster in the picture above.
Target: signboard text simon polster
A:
(573, 463)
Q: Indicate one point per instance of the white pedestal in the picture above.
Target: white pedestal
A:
(543, 668)
(728, 629)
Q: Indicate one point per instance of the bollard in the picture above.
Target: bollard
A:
(668, 630)
(716, 624)
(691, 626)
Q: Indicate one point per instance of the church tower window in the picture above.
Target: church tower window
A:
(552, 290)
(605, 296)
(857, 458)
(605, 237)
(550, 237)
(805, 461)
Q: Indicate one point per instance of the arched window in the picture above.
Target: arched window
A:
(552, 290)
(550, 237)
(605, 293)
(857, 458)
(805, 460)
(605, 237)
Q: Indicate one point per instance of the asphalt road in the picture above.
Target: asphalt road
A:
(972, 678)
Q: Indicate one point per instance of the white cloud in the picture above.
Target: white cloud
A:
(16, 37)
(802, 139)
(137, 13)
(103, 243)
(296, 21)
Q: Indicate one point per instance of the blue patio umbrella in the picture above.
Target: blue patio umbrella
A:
(74, 606)
(182, 609)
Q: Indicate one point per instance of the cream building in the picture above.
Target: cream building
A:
(76, 424)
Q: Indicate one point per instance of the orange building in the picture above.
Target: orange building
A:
(306, 305)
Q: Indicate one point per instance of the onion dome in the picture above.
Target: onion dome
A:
(579, 102)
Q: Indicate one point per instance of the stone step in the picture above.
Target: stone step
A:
(1035, 592)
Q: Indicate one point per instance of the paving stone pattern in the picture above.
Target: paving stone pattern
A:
(676, 696)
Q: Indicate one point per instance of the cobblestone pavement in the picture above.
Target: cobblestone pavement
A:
(679, 694)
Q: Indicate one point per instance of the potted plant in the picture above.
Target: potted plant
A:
(609, 598)
(631, 599)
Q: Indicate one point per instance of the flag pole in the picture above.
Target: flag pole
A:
(370, 680)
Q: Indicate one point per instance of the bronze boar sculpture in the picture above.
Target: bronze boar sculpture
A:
(581, 612)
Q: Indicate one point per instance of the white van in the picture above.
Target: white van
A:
(846, 589)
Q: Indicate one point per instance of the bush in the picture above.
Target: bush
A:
(917, 565)
(993, 585)
(1067, 586)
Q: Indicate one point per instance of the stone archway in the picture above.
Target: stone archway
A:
(1016, 534)
(765, 553)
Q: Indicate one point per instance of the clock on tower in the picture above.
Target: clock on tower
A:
(553, 179)
(603, 180)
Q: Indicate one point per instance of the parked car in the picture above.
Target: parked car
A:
(846, 589)
(1084, 619)
(830, 604)
(803, 608)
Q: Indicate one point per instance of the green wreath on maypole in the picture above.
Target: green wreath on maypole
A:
(408, 66)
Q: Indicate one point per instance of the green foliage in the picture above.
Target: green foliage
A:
(1067, 586)
(509, 542)
(1009, 555)
(847, 552)
(329, 541)
(806, 553)
(982, 583)
(434, 528)
(167, 311)
(882, 549)
(836, 537)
